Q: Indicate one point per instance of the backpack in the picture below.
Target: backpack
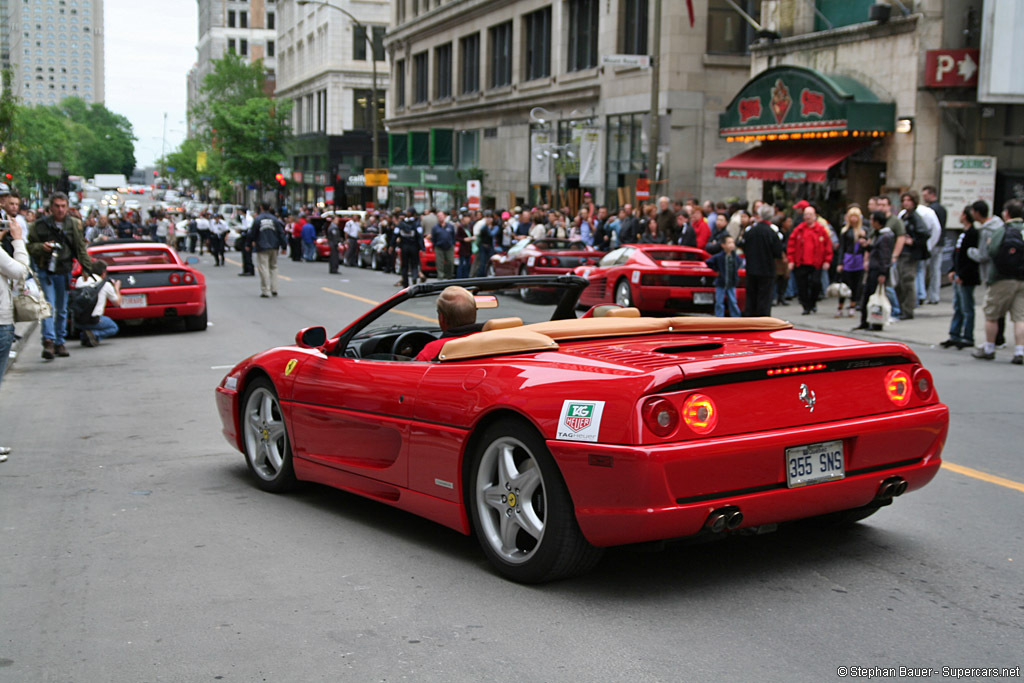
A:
(1009, 258)
(82, 302)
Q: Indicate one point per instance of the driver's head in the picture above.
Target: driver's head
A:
(455, 307)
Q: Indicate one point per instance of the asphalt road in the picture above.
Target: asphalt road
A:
(136, 548)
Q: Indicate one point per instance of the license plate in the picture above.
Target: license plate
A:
(703, 297)
(814, 463)
(133, 300)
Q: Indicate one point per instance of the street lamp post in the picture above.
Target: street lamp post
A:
(373, 59)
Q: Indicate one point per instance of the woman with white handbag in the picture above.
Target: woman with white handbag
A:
(14, 269)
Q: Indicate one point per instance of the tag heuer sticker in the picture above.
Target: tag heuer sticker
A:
(580, 420)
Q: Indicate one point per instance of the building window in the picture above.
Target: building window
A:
(400, 83)
(362, 101)
(469, 62)
(271, 21)
(469, 148)
(359, 43)
(420, 78)
(243, 19)
(583, 25)
(634, 27)
(538, 44)
(501, 55)
(231, 18)
(443, 72)
(728, 33)
(243, 47)
(400, 11)
(270, 48)
(231, 45)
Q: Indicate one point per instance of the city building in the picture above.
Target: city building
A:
(245, 27)
(330, 61)
(545, 100)
(848, 99)
(54, 49)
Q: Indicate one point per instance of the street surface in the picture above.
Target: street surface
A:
(137, 548)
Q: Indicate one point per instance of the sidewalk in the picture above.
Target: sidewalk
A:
(930, 325)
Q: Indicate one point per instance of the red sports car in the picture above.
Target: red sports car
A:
(655, 278)
(552, 437)
(155, 282)
(428, 259)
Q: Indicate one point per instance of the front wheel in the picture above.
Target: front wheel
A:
(521, 510)
(267, 449)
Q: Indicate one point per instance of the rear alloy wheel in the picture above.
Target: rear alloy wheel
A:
(623, 295)
(373, 261)
(267, 450)
(521, 510)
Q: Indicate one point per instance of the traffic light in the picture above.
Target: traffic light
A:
(280, 179)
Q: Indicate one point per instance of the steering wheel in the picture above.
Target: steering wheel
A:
(410, 343)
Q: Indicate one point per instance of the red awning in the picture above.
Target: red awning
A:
(799, 161)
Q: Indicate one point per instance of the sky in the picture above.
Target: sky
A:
(150, 45)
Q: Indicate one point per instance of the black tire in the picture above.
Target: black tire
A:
(527, 294)
(540, 539)
(268, 451)
(374, 262)
(197, 323)
(623, 293)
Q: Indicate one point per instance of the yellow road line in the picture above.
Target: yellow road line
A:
(236, 263)
(984, 476)
(374, 303)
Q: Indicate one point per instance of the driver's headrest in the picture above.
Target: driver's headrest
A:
(614, 311)
(502, 323)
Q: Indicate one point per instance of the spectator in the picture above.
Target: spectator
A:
(334, 237)
(727, 264)
(930, 196)
(443, 237)
(923, 232)
(308, 242)
(666, 221)
(761, 246)
(879, 246)
(267, 236)
(352, 232)
(809, 251)
(987, 226)
(55, 240)
(295, 238)
(14, 267)
(700, 227)
(631, 229)
(851, 259)
(1005, 292)
(718, 233)
(409, 238)
(652, 235)
(464, 235)
(783, 225)
(965, 276)
(98, 326)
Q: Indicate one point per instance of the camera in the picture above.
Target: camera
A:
(53, 258)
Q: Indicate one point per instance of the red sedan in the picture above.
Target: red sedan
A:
(155, 282)
(655, 278)
(551, 437)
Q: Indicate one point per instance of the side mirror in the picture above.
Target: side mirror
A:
(311, 337)
(192, 260)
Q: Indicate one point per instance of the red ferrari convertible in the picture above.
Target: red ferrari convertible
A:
(155, 282)
(550, 437)
(655, 278)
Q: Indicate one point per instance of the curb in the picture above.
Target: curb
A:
(19, 345)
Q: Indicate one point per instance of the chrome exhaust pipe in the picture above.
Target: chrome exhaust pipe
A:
(734, 520)
(723, 519)
(890, 488)
(900, 488)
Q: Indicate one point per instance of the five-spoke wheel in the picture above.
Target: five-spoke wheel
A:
(623, 295)
(266, 439)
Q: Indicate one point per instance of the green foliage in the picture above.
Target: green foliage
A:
(11, 156)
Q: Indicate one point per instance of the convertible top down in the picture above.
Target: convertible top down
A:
(552, 436)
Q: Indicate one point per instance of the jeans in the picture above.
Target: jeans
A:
(309, 251)
(104, 328)
(55, 286)
(724, 295)
(919, 280)
(961, 328)
(483, 261)
(465, 259)
(6, 342)
(791, 289)
(935, 274)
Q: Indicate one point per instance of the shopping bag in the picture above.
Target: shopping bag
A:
(878, 307)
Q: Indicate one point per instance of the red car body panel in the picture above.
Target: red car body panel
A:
(140, 275)
(401, 432)
(428, 259)
(680, 280)
(543, 257)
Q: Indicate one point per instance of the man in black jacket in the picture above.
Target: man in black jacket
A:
(965, 276)
(266, 237)
(761, 246)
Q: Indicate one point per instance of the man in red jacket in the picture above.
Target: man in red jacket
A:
(809, 250)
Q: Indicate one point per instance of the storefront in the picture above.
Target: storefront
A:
(423, 188)
(822, 138)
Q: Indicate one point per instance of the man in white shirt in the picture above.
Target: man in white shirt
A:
(930, 220)
(99, 326)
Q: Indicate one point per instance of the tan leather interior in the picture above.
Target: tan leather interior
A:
(623, 313)
(519, 338)
(502, 324)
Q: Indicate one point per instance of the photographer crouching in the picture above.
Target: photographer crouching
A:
(55, 240)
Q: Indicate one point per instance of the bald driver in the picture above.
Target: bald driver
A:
(456, 314)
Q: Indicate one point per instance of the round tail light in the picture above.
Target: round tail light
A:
(174, 278)
(188, 278)
(660, 416)
(897, 387)
(554, 260)
(543, 261)
(700, 414)
(923, 385)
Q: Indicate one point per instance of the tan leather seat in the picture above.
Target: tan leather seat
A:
(623, 313)
(502, 324)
